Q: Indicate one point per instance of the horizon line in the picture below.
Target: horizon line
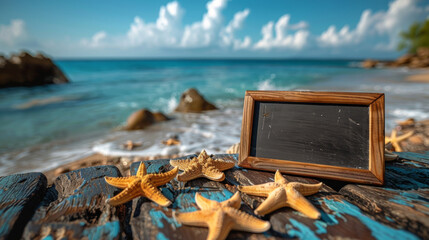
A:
(211, 58)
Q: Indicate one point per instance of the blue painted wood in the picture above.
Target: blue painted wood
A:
(19, 196)
(74, 207)
(419, 157)
(403, 202)
(406, 174)
(340, 218)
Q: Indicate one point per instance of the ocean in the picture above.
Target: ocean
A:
(46, 126)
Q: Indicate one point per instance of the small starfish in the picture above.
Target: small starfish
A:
(221, 217)
(142, 184)
(130, 145)
(282, 193)
(394, 140)
(171, 141)
(202, 166)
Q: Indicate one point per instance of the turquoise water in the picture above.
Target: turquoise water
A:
(102, 94)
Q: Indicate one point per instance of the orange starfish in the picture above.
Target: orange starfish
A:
(394, 140)
(202, 166)
(171, 141)
(282, 193)
(221, 217)
(142, 184)
(130, 145)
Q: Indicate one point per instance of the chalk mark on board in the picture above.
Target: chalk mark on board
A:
(352, 121)
(265, 115)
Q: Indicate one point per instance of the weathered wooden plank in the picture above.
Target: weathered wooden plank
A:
(74, 208)
(404, 209)
(408, 174)
(340, 218)
(419, 157)
(19, 196)
(150, 221)
(404, 200)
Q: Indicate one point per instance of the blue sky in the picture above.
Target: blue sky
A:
(217, 28)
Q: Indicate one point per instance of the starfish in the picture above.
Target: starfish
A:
(130, 145)
(221, 217)
(282, 193)
(142, 184)
(202, 166)
(394, 140)
(171, 141)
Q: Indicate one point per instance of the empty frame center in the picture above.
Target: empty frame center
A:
(327, 134)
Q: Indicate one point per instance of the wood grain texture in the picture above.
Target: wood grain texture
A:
(314, 97)
(74, 207)
(404, 201)
(375, 101)
(312, 170)
(376, 143)
(150, 221)
(246, 129)
(19, 196)
(340, 218)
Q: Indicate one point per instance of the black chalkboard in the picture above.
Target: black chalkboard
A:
(328, 134)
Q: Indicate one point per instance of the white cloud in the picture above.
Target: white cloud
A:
(282, 39)
(13, 33)
(164, 32)
(297, 26)
(334, 38)
(375, 30)
(246, 43)
(96, 40)
(205, 32)
(167, 31)
(398, 17)
(235, 24)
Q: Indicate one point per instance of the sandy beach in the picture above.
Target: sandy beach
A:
(421, 77)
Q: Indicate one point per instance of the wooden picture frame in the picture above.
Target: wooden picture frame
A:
(374, 102)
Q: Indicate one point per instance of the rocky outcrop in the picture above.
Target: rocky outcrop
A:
(418, 60)
(160, 117)
(143, 118)
(192, 101)
(369, 63)
(27, 70)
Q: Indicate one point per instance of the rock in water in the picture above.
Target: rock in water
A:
(27, 70)
(139, 120)
(406, 59)
(369, 63)
(143, 118)
(160, 117)
(192, 101)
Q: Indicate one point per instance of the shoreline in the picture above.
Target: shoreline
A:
(417, 142)
(422, 77)
(214, 131)
(97, 159)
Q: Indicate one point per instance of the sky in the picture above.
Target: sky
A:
(208, 29)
